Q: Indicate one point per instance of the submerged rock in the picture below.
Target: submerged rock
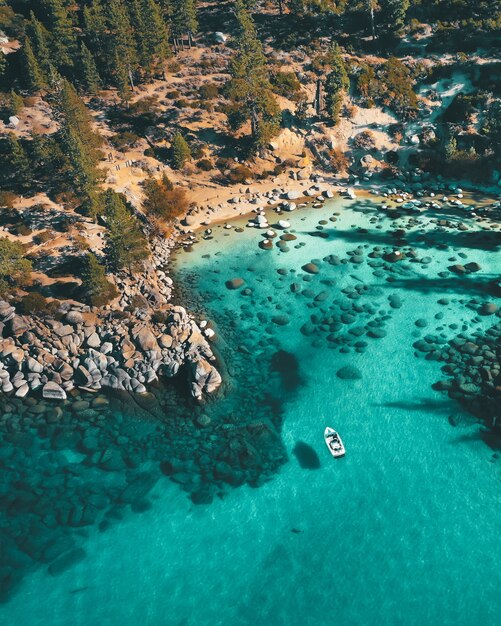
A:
(311, 268)
(349, 372)
(235, 283)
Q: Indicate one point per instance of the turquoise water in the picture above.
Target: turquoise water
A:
(403, 530)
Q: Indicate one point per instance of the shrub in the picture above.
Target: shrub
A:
(44, 237)
(137, 302)
(391, 86)
(34, 303)
(338, 159)
(205, 165)
(208, 91)
(21, 230)
(364, 141)
(239, 175)
(7, 199)
(14, 268)
(159, 317)
(198, 152)
(173, 66)
(286, 84)
(124, 141)
(164, 200)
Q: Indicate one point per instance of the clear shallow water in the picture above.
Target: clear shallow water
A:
(403, 530)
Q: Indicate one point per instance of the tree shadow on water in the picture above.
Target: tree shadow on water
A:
(484, 285)
(473, 240)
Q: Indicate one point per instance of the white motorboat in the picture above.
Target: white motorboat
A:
(334, 443)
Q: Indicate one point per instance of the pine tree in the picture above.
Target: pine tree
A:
(95, 28)
(3, 63)
(45, 153)
(122, 50)
(83, 173)
(14, 267)
(33, 76)
(16, 102)
(181, 152)
(249, 87)
(97, 289)
(184, 17)
(88, 71)
(156, 35)
(18, 162)
(394, 13)
(336, 84)
(121, 78)
(63, 34)
(74, 114)
(39, 38)
(127, 245)
(80, 145)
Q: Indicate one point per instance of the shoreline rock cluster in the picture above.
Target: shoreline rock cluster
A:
(473, 368)
(54, 356)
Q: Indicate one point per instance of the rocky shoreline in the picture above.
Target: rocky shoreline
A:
(87, 348)
(54, 357)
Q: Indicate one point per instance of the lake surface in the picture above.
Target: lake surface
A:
(403, 530)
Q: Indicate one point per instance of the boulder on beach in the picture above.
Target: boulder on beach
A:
(293, 195)
(52, 391)
(235, 283)
(349, 372)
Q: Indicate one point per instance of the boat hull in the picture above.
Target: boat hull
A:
(334, 443)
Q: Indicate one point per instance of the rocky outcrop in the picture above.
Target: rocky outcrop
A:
(89, 352)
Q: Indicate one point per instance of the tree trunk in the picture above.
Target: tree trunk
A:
(254, 123)
(280, 7)
(373, 27)
(318, 104)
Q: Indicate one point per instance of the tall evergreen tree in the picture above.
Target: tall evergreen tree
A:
(184, 17)
(394, 13)
(83, 173)
(249, 86)
(336, 84)
(156, 35)
(63, 33)
(121, 44)
(97, 289)
(74, 114)
(181, 152)
(80, 144)
(121, 78)
(127, 245)
(16, 102)
(33, 75)
(39, 38)
(95, 28)
(45, 154)
(89, 76)
(18, 162)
